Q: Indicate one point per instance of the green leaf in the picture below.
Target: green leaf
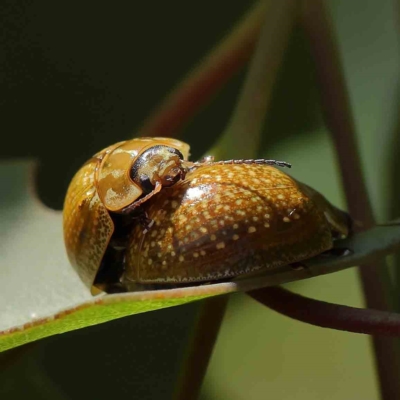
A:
(41, 295)
(90, 313)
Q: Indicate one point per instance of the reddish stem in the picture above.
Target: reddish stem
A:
(327, 315)
(338, 116)
(207, 78)
(201, 347)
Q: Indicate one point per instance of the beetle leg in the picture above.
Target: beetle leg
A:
(145, 222)
(336, 252)
(206, 160)
(188, 166)
(298, 266)
(182, 175)
(183, 172)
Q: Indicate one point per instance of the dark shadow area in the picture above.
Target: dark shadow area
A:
(295, 108)
(394, 196)
(75, 78)
(79, 77)
(134, 357)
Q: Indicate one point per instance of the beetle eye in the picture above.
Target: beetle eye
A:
(156, 164)
(146, 184)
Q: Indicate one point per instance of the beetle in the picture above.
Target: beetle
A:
(116, 180)
(229, 220)
(187, 222)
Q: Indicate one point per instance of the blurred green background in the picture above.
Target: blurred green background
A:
(77, 76)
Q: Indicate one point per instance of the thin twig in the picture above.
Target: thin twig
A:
(212, 73)
(246, 123)
(338, 116)
(394, 205)
(328, 315)
(200, 349)
(394, 168)
(242, 135)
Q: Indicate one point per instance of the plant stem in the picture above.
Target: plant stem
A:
(242, 135)
(338, 116)
(394, 205)
(208, 77)
(200, 349)
(245, 125)
(328, 315)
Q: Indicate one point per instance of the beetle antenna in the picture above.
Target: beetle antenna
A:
(259, 161)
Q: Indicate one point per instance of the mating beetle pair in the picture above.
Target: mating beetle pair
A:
(139, 211)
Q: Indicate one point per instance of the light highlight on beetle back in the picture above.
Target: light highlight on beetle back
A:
(212, 226)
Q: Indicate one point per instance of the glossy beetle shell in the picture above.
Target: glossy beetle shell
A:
(114, 185)
(101, 186)
(228, 220)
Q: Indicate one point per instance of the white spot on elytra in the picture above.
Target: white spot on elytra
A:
(220, 245)
(251, 229)
(182, 219)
